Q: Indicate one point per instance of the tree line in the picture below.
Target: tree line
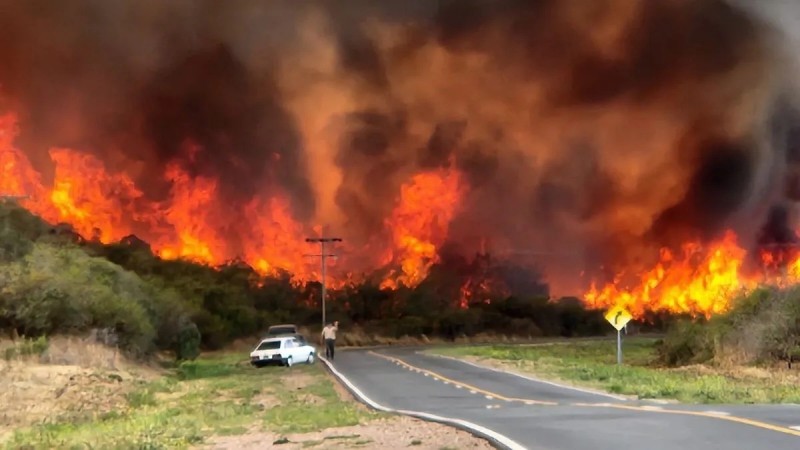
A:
(55, 282)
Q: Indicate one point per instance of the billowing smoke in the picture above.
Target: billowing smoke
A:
(591, 132)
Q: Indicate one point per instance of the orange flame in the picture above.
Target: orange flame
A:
(18, 176)
(697, 281)
(280, 242)
(192, 222)
(108, 206)
(87, 197)
(193, 201)
(420, 223)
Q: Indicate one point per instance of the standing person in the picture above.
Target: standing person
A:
(329, 337)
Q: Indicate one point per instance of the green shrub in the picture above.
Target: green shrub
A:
(195, 370)
(63, 290)
(187, 345)
(459, 322)
(524, 327)
(27, 347)
(762, 326)
(141, 397)
(410, 326)
(686, 342)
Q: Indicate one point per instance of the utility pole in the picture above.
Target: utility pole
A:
(323, 255)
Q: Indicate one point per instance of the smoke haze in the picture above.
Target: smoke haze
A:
(594, 132)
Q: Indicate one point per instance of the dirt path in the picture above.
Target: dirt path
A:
(391, 433)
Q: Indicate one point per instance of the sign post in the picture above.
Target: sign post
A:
(618, 317)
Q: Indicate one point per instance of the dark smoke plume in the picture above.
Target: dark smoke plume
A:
(593, 131)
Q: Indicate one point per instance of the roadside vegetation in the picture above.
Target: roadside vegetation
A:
(762, 328)
(216, 395)
(751, 354)
(593, 364)
(747, 355)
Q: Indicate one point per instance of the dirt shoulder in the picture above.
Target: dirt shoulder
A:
(385, 433)
(71, 381)
(78, 394)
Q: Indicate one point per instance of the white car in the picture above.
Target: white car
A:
(284, 351)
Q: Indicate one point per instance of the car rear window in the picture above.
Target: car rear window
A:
(269, 345)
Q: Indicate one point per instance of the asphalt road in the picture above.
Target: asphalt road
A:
(524, 413)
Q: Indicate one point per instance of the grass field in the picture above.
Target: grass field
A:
(215, 395)
(593, 364)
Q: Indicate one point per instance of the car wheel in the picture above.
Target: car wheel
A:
(310, 359)
(289, 362)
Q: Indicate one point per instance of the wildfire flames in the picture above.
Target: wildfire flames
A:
(639, 143)
(699, 280)
(109, 207)
(419, 224)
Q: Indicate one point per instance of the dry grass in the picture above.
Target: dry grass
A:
(72, 351)
(77, 394)
(82, 353)
(214, 395)
(778, 375)
(64, 379)
(355, 337)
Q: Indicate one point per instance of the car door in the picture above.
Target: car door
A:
(304, 349)
(294, 350)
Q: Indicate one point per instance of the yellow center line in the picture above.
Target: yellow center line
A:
(742, 420)
(464, 385)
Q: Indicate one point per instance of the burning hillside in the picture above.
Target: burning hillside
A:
(638, 143)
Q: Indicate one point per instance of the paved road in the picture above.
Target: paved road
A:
(525, 413)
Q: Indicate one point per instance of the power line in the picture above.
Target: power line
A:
(323, 255)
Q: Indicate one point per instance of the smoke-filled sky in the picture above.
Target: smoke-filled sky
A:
(593, 130)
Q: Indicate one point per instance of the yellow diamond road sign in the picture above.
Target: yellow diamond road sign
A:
(618, 317)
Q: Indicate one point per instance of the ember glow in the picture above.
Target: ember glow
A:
(639, 145)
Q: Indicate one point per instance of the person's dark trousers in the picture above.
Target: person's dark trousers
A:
(329, 348)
